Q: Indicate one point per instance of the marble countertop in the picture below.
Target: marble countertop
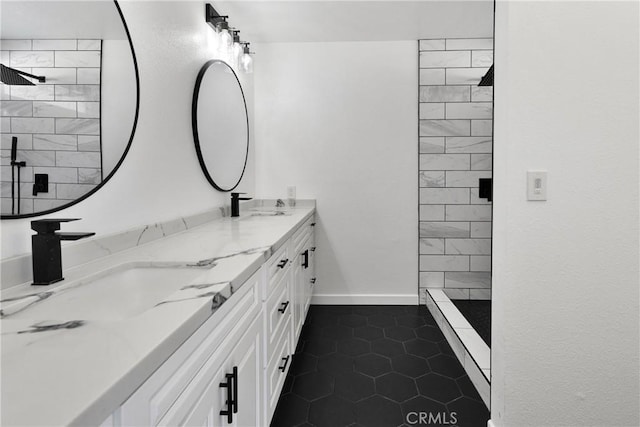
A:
(70, 371)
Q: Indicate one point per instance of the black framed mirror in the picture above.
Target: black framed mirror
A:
(220, 125)
(64, 135)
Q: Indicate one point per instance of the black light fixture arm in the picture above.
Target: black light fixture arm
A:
(213, 17)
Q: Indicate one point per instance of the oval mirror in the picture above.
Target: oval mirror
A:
(69, 102)
(220, 125)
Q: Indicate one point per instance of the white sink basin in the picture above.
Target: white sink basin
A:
(116, 294)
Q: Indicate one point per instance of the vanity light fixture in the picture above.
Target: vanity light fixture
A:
(228, 46)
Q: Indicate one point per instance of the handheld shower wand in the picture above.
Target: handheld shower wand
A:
(14, 154)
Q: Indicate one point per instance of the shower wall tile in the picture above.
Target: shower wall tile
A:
(39, 92)
(25, 142)
(89, 45)
(31, 58)
(454, 293)
(88, 143)
(73, 191)
(89, 109)
(68, 44)
(5, 124)
(55, 142)
(33, 125)
(7, 45)
(17, 108)
(5, 92)
(53, 109)
(455, 121)
(77, 92)
(78, 126)
(89, 176)
(59, 175)
(40, 205)
(77, 159)
(5, 172)
(37, 157)
(77, 59)
(89, 76)
(56, 76)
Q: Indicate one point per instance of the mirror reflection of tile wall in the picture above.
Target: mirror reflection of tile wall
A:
(456, 143)
(57, 123)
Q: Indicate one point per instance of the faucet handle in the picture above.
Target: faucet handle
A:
(234, 195)
(49, 225)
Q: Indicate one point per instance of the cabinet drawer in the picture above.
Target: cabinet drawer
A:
(301, 235)
(277, 369)
(276, 267)
(152, 400)
(278, 311)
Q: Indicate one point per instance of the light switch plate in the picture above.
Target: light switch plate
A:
(537, 185)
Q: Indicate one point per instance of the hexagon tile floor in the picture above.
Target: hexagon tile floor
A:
(376, 366)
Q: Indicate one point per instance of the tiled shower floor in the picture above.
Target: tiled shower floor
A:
(374, 366)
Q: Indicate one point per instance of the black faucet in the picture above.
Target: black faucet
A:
(45, 247)
(235, 203)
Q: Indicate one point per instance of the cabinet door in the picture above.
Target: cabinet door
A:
(297, 296)
(310, 274)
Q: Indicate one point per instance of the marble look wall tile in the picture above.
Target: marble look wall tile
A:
(431, 178)
(469, 144)
(5, 56)
(5, 92)
(445, 162)
(50, 44)
(56, 76)
(39, 92)
(77, 92)
(15, 44)
(431, 110)
(431, 144)
(432, 76)
(26, 173)
(54, 109)
(482, 58)
(431, 212)
(454, 293)
(480, 294)
(78, 126)
(77, 159)
(88, 75)
(22, 108)
(430, 229)
(445, 59)
(482, 93)
(45, 204)
(468, 247)
(59, 175)
(480, 263)
(432, 44)
(481, 127)
(77, 59)
(89, 176)
(468, 213)
(469, 44)
(89, 110)
(445, 93)
(444, 128)
(72, 191)
(466, 178)
(476, 200)
(432, 279)
(5, 157)
(444, 196)
(25, 142)
(92, 44)
(32, 125)
(467, 280)
(431, 246)
(464, 76)
(88, 143)
(55, 142)
(5, 124)
(26, 205)
(481, 162)
(32, 58)
(444, 263)
(37, 157)
(469, 110)
(481, 229)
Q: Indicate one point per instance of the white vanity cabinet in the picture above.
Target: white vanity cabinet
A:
(231, 371)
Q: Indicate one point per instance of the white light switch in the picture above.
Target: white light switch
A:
(537, 185)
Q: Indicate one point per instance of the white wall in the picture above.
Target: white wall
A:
(566, 284)
(160, 178)
(339, 121)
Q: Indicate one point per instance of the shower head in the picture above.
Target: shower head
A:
(487, 79)
(11, 76)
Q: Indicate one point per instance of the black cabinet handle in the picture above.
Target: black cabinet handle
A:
(313, 249)
(283, 262)
(313, 280)
(313, 224)
(232, 395)
(284, 307)
(286, 361)
(305, 259)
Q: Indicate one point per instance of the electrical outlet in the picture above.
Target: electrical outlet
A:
(537, 185)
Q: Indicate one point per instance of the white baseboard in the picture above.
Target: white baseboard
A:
(365, 299)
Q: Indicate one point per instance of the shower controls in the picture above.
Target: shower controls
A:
(537, 185)
(41, 183)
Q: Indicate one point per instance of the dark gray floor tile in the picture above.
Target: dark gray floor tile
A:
(396, 387)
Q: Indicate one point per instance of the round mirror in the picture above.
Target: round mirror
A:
(70, 97)
(220, 125)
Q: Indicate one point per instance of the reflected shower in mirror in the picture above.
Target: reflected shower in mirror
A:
(69, 101)
(220, 125)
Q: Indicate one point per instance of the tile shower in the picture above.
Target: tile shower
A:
(57, 123)
(455, 134)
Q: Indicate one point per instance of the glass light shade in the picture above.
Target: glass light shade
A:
(213, 40)
(225, 42)
(246, 63)
(236, 53)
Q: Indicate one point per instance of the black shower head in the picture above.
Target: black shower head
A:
(11, 76)
(487, 79)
